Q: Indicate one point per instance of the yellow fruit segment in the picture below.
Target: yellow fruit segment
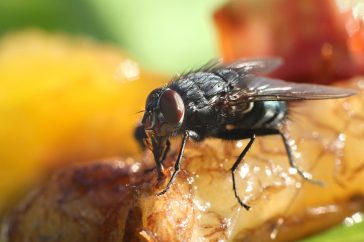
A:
(62, 100)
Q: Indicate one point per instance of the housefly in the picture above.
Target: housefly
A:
(226, 101)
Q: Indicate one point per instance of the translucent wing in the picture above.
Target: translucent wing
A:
(248, 87)
(242, 66)
(254, 88)
(255, 66)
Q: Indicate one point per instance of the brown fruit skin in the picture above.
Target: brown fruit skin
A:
(103, 201)
(83, 203)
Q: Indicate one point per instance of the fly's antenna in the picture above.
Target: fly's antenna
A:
(137, 113)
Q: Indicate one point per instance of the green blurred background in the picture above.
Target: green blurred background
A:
(164, 35)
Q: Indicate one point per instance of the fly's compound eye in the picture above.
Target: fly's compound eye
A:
(172, 108)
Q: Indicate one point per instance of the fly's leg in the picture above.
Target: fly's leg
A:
(235, 166)
(166, 151)
(159, 164)
(305, 175)
(177, 165)
(140, 136)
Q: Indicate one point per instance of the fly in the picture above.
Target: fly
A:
(226, 101)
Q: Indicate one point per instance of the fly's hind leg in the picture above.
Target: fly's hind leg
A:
(305, 175)
(235, 166)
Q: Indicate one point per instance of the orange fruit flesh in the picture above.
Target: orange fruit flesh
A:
(64, 100)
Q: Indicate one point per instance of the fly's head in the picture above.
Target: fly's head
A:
(164, 115)
(164, 112)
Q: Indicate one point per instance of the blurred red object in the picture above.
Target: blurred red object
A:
(319, 40)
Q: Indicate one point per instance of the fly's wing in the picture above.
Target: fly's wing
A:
(255, 66)
(242, 66)
(247, 87)
(253, 88)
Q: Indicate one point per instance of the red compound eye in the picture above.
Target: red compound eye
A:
(172, 107)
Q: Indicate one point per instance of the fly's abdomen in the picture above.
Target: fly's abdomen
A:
(275, 113)
(264, 114)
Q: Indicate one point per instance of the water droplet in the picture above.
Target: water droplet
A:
(135, 167)
(127, 70)
(353, 219)
(244, 171)
(239, 144)
(292, 171)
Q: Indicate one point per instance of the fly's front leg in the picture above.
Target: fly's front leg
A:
(235, 166)
(159, 164)
(305, 175)
(166, 151)
(177, 165)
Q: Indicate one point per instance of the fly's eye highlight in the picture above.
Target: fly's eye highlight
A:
(172, 107)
